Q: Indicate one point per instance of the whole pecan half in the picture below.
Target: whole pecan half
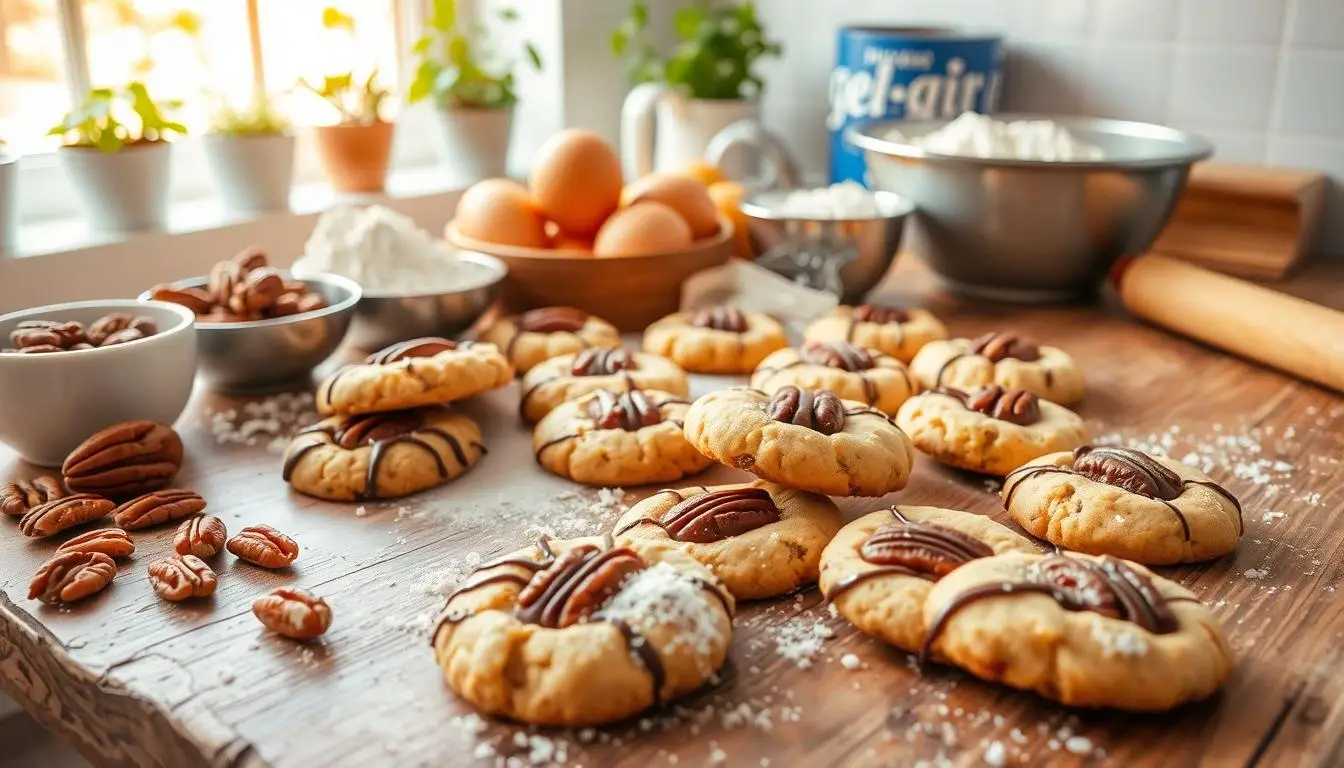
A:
(198, 300)
(728, 319)
(61, 514)
(287, 304)
(1000, 346)
(113, 542)
(603, 362)
(72, 576)
(125, 459)
(256, 292)
(552, 320)
(1013, 405)
(122, 336)
(820, 410)
(182, 577)
(250, 258)
(837, 354)
(720, 515)
(925, 548)
(71, 332)
(18, 497)
(264, 546)
(628, 411)
(224, 277)
(872, 313)
(358, 431)
(157, 507)
(202, 536)
(575, 586)
(34, 337)
(295, 613)
(427, 346)
(1131, 470)
(104, 328)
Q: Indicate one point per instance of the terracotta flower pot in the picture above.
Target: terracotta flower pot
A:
(355, 157)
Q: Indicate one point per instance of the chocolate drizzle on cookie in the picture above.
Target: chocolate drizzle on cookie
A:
(1106, 586)
(730, 319)
(873, 313)
(603, 362)
(837, 354)
(906, 547)
(630, 411)
(427, 346)
(1016, 406)
(714, 515)
(818, 410)
(995, 347)
(552, 320)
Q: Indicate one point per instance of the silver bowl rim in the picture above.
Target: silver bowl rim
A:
(355, 293)
(871, 137)
(186, 319)
(898, 207)
(494, 263)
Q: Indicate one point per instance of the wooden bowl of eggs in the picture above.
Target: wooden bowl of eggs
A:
(577, 236)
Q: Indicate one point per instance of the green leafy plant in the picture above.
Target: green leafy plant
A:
(715, 57)
(459, 67)
(110, 120)
(260, 118)
(356, 101)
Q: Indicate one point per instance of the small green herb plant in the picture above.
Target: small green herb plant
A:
(356, 101)
(259, 118)
(715, 58)
(459, 68)
(110, 120)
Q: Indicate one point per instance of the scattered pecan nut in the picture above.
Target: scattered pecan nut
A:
(287, 304)
(122, 336)
(198, 300)
(125, 459)
(295, 613)
(256, 292)
(34, 337)
(18, 497)
(1131, 470)
(1017, 406)
(552, 320)
(182, 577)
(728, 319)
(64, 513)
(264, 546)
(720, 515)
(628, 411)
(250, 258)
(602, 362)
(925, 548)
(575, 586)
(819, 410)
(872, 313)
(200, 536)
(157, 507)
(113, 542)
(72, 576)
(837, 354)
(427, 346)
(1001, 346)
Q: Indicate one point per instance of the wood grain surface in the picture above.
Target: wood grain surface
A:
(135, 681)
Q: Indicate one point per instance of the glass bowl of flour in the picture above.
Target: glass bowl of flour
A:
(1030, 207)
(414, 284)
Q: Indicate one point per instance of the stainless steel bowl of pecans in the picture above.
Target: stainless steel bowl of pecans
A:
(259, 328)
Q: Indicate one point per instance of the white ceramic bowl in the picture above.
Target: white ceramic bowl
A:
(50, 403)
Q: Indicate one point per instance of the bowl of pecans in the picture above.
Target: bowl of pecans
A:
(258, 327)
(69, 370)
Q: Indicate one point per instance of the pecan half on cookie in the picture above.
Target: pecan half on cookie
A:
(576, 585)
(820, 410)
(719, 515)
(125, 459)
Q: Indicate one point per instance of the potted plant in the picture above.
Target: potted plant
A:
(251, 153)
(472, 89)
(708, 82)
(9, 201)
(115, 149)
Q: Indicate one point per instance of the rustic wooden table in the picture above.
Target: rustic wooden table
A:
(132, 680)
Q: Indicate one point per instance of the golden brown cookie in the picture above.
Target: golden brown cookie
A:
(1122, 502)
(879, 569)
(580, 632)
(801, 438)
(715, 340)
(1084, 631)
(428, 371)
(852, 373)
(760, 539)
(991, 430)
(569, 377)
(382, 455)
(618, 439)
(1009, 360)
(900, 333)
(533, 337)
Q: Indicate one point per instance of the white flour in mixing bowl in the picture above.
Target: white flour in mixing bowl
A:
(846, 200)
(974, 135)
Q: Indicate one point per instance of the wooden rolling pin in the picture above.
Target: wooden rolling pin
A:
(1248, 320)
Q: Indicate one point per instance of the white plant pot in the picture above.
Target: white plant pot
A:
(121, 191)
(474, 143)
(9, 204)
(255, 173)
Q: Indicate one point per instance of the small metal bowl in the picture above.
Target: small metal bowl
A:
(863, 247)
(261, 355)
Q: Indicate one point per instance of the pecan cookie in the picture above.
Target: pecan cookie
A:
(569, 377)
(382, 455)
(715, 340)
(1122, 502)
(851, 372)
(1009, 360)
(761, 539)
(802, 438)
(581, 632)
(898, 332)
(1084, 631)
(618, 439)
(533, 337)
(990, 430)
(879, 569)
(428, 371)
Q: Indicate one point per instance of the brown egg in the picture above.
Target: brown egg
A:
(642, 229)
(577, 181)
(500, 211)
(687, 196)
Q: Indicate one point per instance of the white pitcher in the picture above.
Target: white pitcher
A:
(684, 129)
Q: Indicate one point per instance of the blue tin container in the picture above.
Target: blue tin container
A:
(915, 74)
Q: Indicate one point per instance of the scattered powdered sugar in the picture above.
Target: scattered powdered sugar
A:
(661, 597)
(580, 513)
(996, 754)
(1078, 745)
(1256, 574)
(273, 419)
(800, 639)
(1117, 640)
(850, 661)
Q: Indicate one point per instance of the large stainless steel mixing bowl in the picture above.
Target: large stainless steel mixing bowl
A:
(1034, 230)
